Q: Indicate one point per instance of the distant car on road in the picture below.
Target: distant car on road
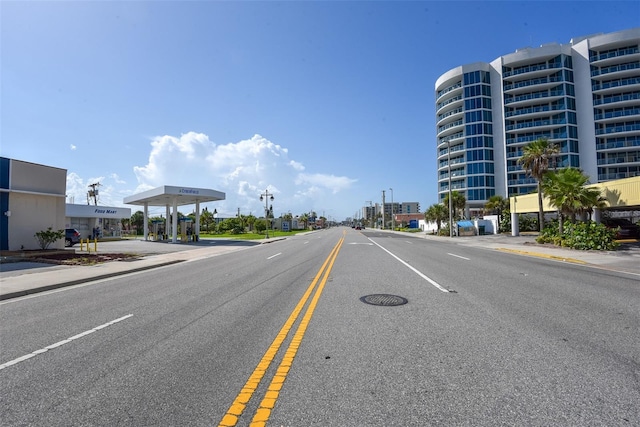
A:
(625, 228)
(71, 237)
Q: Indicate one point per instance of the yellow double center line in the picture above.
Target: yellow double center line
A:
(263, 412)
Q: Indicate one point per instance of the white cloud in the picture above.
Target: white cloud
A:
(243, 170)
(72, 147)
(117, 179)
(110, 191)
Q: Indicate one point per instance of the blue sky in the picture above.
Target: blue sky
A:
(324, 103)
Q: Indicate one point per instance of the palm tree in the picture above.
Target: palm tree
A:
(497, 205)
(535, 160)
(305, 220)
(137, 220)
(458, 203)
(251, 220)
(437, 213)
(206, 218)
(566, 191)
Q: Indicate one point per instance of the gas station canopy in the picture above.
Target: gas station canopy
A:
(173, 197)
(165, 196)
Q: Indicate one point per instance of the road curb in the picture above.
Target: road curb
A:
(542, 255)
(31, 291)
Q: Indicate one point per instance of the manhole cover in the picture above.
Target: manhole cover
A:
(383, 299)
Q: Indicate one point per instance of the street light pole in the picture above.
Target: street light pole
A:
(450, 198)
(383, 210)
(266, 196)
(393, 219)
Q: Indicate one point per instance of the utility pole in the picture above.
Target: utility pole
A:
(93, 193)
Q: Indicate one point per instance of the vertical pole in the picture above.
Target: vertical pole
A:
(383, 209)
(174, 221)
(196, 232)
(450, 198)
(145, 221)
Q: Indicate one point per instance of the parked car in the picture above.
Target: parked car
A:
(625, 228)
(71, 237)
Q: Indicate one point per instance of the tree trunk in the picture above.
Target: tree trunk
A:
(540, 208)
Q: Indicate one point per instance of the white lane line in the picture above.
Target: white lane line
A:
(60, 343)
(458, 256)
(412, 268)
(273, 256)
(408, 242)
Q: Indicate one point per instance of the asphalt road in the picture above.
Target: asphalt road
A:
(485, 338)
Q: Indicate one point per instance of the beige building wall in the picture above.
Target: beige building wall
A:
(620, 194)
(32, 213)
(36, 202)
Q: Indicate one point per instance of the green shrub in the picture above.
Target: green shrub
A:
(579, 235)
(48, 236)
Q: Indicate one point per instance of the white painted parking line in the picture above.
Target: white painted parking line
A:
(61, 343)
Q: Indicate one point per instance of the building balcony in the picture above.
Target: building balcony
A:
(450, 116)
(550, 96)
(628, 55)
(625, 160)
(534, 84)
(532, 112)
(455, 87)
(626, 99)
(544, 124)
(533, 71)
(450, 128)
(618, 70)
(613, 115)
(629, 84)
(619, 145)
(450, 138)
(621, 129)
(613, 176)
(522, 182)
(456, 101)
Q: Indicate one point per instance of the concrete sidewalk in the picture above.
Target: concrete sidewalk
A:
(24, 278)
(625, 259)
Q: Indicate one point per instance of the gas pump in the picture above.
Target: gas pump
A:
(185, 229)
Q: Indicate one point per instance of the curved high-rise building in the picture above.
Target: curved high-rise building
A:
(583, 96)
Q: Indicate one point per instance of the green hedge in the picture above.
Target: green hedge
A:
(587, 235)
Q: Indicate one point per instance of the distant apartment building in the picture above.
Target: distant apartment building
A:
(374, 211)
(583, 96)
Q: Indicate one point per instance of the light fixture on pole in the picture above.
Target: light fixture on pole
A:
(266, 196)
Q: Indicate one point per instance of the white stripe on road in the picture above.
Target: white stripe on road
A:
(412, 268)
(273, 256)
(60, 343)
(458, 256)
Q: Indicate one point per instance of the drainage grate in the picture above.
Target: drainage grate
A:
(384, 299)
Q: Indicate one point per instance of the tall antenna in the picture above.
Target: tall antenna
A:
(93, 193)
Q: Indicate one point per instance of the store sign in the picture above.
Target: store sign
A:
(188, 191)
(88, 211)
(106, 211)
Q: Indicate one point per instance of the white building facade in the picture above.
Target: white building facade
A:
(583, 96)
(96, 221)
